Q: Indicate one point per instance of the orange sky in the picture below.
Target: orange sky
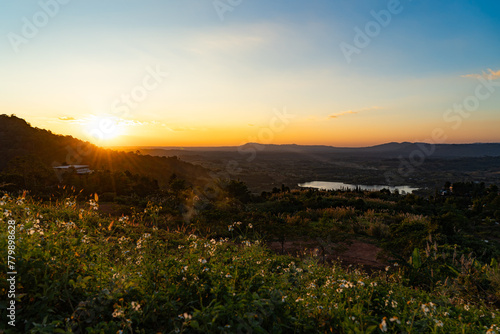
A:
(178, 74)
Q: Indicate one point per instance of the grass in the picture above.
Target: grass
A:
(79, 272)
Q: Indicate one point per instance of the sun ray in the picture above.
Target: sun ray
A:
(103, 128)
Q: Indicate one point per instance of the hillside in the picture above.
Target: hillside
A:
(33, 152)
(78, 271)
(419, 165)
(218, 259)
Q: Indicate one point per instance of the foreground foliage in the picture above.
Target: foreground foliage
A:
(80, 272)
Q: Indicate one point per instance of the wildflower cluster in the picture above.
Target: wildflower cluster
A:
(143, 239)
(136, 279)
(93, 204)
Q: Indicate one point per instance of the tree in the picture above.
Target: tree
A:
(28, 173)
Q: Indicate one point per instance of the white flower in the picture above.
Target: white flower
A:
(395, 319)
(383, 325)
(439, 323)
(230, 228)
(123, 239)
(117, 313)
(250, 226)
(185, 316)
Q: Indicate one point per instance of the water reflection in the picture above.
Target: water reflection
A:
(344, 186)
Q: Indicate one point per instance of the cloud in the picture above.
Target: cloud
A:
(342, 113)
(67, 119)
(131, 122)
(239, 40)
(492, 75)
(347, 112)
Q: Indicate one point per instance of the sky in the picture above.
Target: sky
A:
(226, 72)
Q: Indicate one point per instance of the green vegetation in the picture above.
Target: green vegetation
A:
(80, 271)
(154, 245)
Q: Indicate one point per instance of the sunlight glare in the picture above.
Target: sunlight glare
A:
(103, 128)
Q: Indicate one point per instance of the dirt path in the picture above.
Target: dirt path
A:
(354, 252)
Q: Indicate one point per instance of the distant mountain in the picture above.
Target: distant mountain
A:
(476, 150)
(384, 151)
(20, 139)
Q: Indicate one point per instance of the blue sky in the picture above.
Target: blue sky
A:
(227, 77)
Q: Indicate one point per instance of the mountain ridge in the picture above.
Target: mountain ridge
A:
(388, 150)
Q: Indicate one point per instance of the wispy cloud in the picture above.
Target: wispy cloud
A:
(131, 122)
(492, 75)
(347, 112)
(66, 119)
(342, 113)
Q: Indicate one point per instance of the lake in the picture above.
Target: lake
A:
(344, 186)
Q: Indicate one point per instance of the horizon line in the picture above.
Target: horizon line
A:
(293, 144)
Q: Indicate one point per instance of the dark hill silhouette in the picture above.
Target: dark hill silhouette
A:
(384, 151)
(22, 144)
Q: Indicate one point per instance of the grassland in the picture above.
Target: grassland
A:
(81, 272)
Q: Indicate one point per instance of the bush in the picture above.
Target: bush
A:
(107, 197)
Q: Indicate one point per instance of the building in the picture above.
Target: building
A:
(80, 169)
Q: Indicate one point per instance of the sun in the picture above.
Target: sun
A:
(102, 129)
